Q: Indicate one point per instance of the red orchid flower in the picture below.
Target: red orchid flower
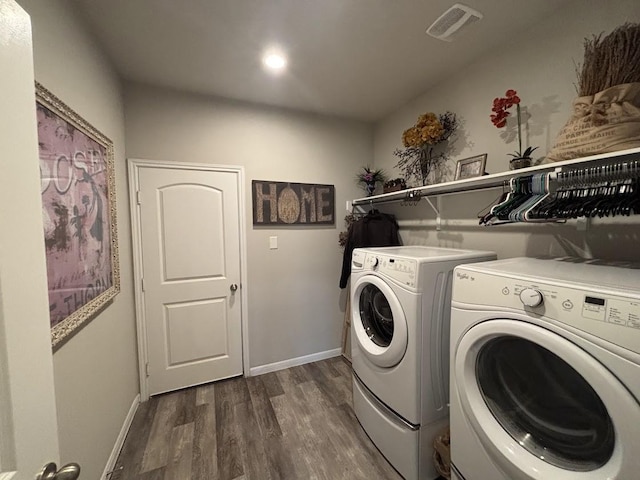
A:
(500, 114)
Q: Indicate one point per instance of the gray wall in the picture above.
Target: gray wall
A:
(95, 373)
(295, 305)
(539, 64)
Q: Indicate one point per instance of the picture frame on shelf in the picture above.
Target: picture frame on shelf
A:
(79, 212)
(471, 167)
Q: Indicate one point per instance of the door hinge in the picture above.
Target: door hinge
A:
(146, 369)
(142, 283)
(138, 198)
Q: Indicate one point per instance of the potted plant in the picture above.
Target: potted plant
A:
(500, 108)
(369, 178)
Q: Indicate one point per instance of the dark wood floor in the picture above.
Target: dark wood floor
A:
(292, 424)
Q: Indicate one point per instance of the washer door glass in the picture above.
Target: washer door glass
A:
(376, 315)
(378, 323)
(544, 404)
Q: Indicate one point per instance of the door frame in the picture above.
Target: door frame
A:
(134, 166)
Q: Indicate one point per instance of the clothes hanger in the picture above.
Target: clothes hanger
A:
(487, 215)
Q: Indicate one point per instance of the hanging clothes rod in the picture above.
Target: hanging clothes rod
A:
(611, 189)
(602, 173)
(497, 180)
(458, 186)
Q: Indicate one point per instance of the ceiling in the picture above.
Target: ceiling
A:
(358, 59)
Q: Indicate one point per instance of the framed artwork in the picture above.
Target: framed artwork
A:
(471, 167)
(286, 203)
(79, 214)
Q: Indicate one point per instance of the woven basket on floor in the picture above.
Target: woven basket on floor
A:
(442, 453)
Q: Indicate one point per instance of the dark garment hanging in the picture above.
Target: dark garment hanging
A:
(375, 229)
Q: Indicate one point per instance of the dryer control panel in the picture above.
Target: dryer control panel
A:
(612, 316)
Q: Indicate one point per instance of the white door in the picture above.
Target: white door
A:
(28, 426)
(190, 246)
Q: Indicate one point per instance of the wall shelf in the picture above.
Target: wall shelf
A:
(496, 179)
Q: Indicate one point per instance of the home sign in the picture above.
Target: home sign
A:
(284, 203)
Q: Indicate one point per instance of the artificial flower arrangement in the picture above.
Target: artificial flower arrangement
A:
(368, 178)
(418, 159)
(499, 119)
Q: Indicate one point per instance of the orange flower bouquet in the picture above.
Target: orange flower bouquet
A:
(418, 159)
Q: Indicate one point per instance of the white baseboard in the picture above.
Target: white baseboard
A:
(113, 458)
(294, 362)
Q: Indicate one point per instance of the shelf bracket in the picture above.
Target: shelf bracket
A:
(437, 211)
(357, 209)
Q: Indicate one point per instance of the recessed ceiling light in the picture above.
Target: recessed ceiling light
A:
(274, 61)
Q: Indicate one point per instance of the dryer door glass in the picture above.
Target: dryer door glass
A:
(376, 316)
(544, 404)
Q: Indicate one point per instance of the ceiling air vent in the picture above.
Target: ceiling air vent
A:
(450, 22)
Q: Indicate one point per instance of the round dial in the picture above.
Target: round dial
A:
(531, 297)
(376, 262)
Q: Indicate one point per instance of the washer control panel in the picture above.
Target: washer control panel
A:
(401, 270)
(531, 297)
(609, 315)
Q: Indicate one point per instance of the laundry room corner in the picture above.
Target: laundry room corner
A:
(303, 269)
(540, 63)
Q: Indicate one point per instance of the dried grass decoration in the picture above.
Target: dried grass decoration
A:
(606, 114)
(420, 158)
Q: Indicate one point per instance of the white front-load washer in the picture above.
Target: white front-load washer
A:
(400, 306)
(545, 370)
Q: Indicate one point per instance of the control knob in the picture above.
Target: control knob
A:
(531, 297)
(376, 262)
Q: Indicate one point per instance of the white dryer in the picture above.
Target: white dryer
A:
(545, 370)
(401, 300)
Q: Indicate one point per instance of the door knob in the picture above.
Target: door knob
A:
(233, 287)
(70, 471)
